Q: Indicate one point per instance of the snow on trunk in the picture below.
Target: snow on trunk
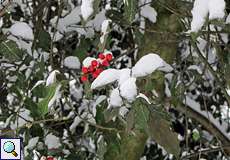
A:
(106, 77)
(147, 65)
(22, 30)
(128, 89)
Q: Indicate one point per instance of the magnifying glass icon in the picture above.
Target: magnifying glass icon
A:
(9, 147)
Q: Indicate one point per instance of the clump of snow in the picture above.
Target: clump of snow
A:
(124, 75)
(104, 28)
(147, 64)
(72, 62)
(199, 12)
(52, 77)
(115, 98)
(216, 9)
(86, 8)
(128, 89)
(87, 61)
(106, 77)
(22, 30)
(149, 12)
(52, 141)
(201, 8)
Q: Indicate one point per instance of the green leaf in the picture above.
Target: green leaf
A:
(130, 10)
(141, 115)
(43, 105)
(195, 135)
(82, 49)
(161, 133)
(44, 40)
(32, 107)
(10, 50)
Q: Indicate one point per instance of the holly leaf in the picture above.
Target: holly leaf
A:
(43, 105)
(159, 130)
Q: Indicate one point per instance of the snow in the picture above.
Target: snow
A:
(128, 89)
(72, 62)
(124, 75)
(115, 99)
(201, 8)
(141, 95)
(76, 122)
(149, 12)
(52, 141)
(106, 77)
(147, 64)
(222, 127)
(104, 28)
(199, 12)
(86, 8)
(22, 30)
(38, 83)
(216, 9)
(87, 61)
(52, 77)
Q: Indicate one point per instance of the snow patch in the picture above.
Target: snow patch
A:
(22, 30)
(72, 62)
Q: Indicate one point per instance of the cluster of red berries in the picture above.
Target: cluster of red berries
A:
(96, 67)
(48, 158)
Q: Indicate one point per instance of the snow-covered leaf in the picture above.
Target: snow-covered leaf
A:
(149, 13)
(124, 75)
(115, 99)
(199, 12)
(86, 8)
(22, 30)
(106, 77)
(128, 89)
(104, 29)
(52, 77)
(72, 62)
(147, 64)
(216, 9)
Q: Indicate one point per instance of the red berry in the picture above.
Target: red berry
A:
(49, 158)
(84, 70)
(84, 78)
(95, 74)
(99, 70)
(105, 63)
(101, 56)
(94, 63)
(109, 57)
(91, 68)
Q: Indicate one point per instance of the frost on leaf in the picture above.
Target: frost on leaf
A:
(115, 98)
(128, 89)
(22, 30)
(86, 8)
(106, 77)
(72, 62)
(147, 64)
